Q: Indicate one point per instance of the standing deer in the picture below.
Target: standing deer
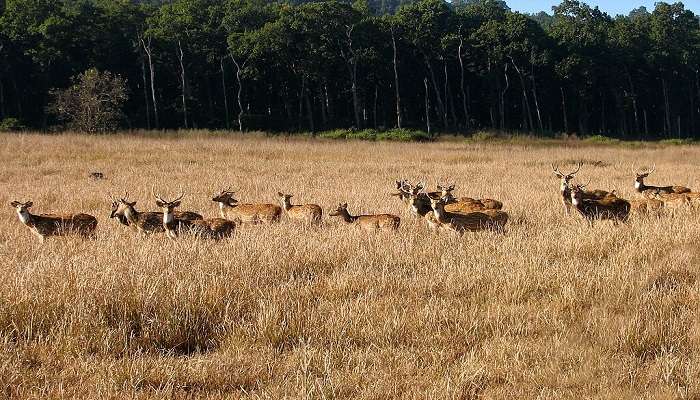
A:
(231, 210)
(307, 213)
(211, 228)
(565, 188)
(640, 187)
(367, 222)
(610, 207)
(145, 222)
(45, 225)
(462, 222)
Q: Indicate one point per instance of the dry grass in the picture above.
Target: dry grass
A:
(552, 309)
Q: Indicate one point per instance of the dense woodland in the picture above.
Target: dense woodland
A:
(312, 66)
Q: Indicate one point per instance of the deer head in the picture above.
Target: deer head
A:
(225, 197)
(566, 178)
(640, 175)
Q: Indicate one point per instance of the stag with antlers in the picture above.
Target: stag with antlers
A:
(648, 191)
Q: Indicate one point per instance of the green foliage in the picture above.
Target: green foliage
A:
(10, 125)
(677, 142)
(394, 135)
(600, 139)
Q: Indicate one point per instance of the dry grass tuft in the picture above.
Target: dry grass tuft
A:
(551, 309)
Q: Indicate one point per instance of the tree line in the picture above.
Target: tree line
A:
(459, 67)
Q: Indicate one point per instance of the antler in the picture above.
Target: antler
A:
(580, 164)
(182, 194)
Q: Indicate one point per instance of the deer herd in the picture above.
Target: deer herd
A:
(440, 210)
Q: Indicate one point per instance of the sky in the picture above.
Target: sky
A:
(612, 7)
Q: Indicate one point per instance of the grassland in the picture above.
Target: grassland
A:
(552, 309)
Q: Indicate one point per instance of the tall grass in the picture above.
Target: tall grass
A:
(551, 309)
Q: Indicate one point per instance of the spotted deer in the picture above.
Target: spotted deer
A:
(465, 204)
(46, 225)
(607, 208)
(672, 201)
(647, 190)
(646, 207)
(565, 188)
(367, 222)
(307, 213)
(211, 228)
(461, 222)
(119, 208)
(418, 201)
(232, 210)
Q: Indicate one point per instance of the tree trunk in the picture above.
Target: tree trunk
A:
(145, 93)
(502, 98)
(646, 124)
(603, 127)
(563, 110)
(324, 111)
(310, 111)
(3, 110)
(329, 105)
(436, 88)
(301, 101)
(533, 88)
(396, 80)
(633, 93)
(374, 106)
(448, 97)
(239, 92)
(181, 56)
(147, 48)
(667, 108)
(692, 110)
(351, 63)
(461, 84)
(427, 106)
(225, 92)
(526, 100)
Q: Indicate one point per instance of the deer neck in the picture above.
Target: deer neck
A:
(640, 186)
(345, 215)
(223, 207)
(286, 204)
(25, 217)
(439, 213)
(575, 202)
(131, 214)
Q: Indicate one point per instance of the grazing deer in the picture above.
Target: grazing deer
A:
(640, 187)
(610, 207)
(462, 222)
(367, 222)
(231, 210)
(211, 228)
(565, 188)
(307, 213)
(45, 225)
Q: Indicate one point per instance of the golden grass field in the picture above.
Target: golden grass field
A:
(552, 309)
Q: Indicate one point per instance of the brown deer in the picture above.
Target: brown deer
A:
(610, 207)
(231, 210)
(367, 222)
(672, 201)
(401, 192)
(465, 204)
(211, 228)
(646, 207)
(565, 188)
(119, 207)
(418, 201)
(307, 213)
(462, 222)
(640, 187)
(45, 225)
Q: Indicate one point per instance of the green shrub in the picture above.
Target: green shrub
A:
(10, 125)
(365, 134)
(483, 136)
(334, 134)
(601, 139)
(676, 142)
(404, 135)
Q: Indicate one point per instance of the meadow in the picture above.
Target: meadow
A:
(553, 308)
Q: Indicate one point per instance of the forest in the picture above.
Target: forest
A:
(316, 66)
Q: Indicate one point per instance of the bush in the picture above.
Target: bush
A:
(93, 103)
(601, 139)
(676, 142)
(404, 135)
(10, 125)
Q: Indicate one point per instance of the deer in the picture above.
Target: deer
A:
(646, 207)
(46, 225)
(418, 201)
(462, 222)
(367, 222)
(119, 207)
(211, 228)
(672, 201)
(565, 188)
(231, 210)
(608, 208)
(307, 213)
(647, 190)
(465, 204)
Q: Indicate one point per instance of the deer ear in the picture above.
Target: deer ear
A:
(176, 204)
(15, 203)
(160, 203)
(133, 203)
(28, 204)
